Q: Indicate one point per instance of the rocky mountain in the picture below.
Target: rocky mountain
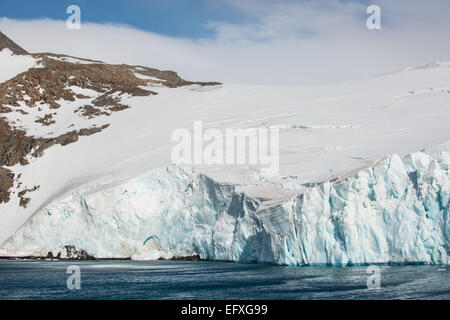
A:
(38, 92)
(87, 170)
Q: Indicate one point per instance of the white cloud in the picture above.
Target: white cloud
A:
(288, 42)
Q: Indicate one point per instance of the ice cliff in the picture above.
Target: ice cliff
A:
(394, 211)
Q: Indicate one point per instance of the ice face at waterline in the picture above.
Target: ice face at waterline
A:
(91, 173)
(394, 211)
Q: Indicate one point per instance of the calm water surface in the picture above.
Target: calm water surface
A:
(216, 280)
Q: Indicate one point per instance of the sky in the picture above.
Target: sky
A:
(280, 42)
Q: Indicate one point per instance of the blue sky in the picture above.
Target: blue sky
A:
(178, 18)
(250, 41)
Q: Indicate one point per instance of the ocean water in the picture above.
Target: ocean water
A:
(35, 279)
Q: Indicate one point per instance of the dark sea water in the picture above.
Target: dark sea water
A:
(216, 280)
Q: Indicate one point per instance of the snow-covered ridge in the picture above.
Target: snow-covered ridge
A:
(395, 211)
(49, 99)
(325, 131)
(428, 66)
(102, 184)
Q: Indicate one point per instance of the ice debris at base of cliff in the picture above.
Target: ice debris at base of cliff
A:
(395, 211)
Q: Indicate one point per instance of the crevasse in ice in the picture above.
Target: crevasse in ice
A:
(394, 211)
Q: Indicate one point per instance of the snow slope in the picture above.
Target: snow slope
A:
(11, 64)
(326, 132)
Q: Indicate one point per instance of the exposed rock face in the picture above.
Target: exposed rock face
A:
(6, 182)
(6, 43)
(14, 145)
(195, 257)
(69, 252)
(53, 82)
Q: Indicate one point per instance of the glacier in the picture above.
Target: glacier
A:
(395, 211)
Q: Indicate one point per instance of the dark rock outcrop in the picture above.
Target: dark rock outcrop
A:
(7, 43)
(51, 83)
